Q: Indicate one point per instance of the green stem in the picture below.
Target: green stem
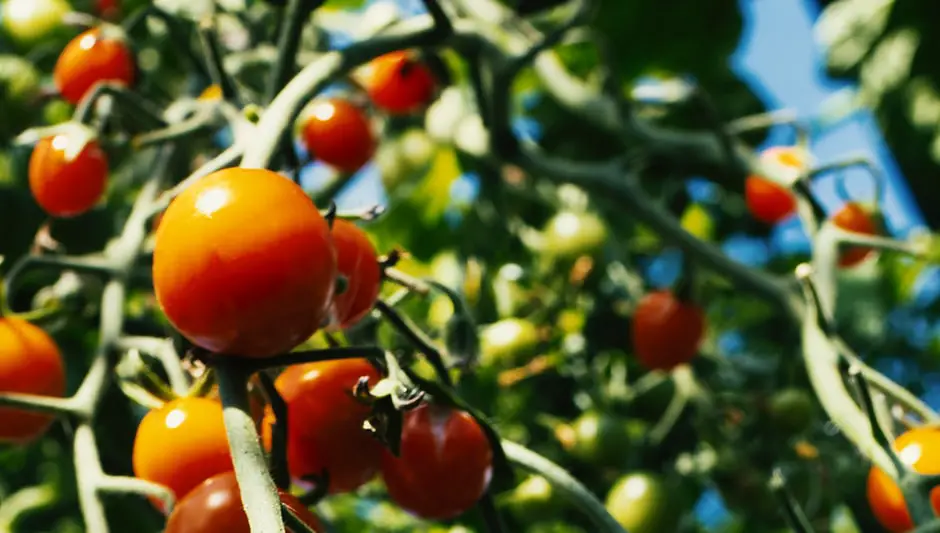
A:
(566, 484)
(419, 339)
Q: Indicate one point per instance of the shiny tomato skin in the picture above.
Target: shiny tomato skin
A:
(182, 444)
(90, 58)
(30, 363)
(853, 217)
(67, 188)
(399, 83)
(243, 263)
(339, 134)
(215, 506)
(445, 464)
(666, 331)
(359, 264)
(324, 423)
(767, 201)
(919, 448)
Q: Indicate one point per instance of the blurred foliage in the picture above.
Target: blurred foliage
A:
(557, 372)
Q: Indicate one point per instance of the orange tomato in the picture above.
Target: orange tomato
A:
(399, 83)
(324, 422)
(359, 264)
(243, 263)
(30, 363)
(182, 444)
(920, 449)
(90, 58)
(767, 200)
(62, 187)
(853, 217)
(339, 134)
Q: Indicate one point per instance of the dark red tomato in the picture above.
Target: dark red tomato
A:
(90, 58)
(339, 134)
(243, 263)
(30, 363)
(359, 264)
(666, 331)
(767, 200)
(445, 463)
(182, 444)
(853, 217)
(66, 187)
(215, 506)
(324, 423)
(399, 83)
(108, 9)
(919, 448)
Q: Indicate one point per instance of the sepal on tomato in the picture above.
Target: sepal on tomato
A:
(78, 135)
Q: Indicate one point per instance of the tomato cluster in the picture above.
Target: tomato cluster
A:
(237, 277)
(918, 448)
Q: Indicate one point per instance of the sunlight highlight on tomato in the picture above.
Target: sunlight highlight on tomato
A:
(66, 187)
(919, 448)
(90, 58)
(339, 134)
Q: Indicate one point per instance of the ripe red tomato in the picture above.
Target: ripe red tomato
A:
(445, 464)
(399, 84)
(359, 264)
(89, 58)
(324, 423)
(243, 263)
(920, 449)
(216, 506)
(182, 444)
(767, 200)
(108, 9)
(63, 187)
(30, 363)
(339, 134)
(666, 331)
(853, 217)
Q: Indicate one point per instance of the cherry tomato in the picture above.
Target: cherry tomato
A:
(666, 331)
(182, 444)
(533, 499)
(769, 201)
(30, 363)
(445, 463)
(324, 423)
(243, 263)
(359, 264)
(215, 506)
(853, 217)
(791, 410)
(339, 134)
(640, 502)
(92, 57)
(67, 187)
(399, 83)
(569, 235)
(918, 448)
(108, 9)
(600, 438)
(28, 22)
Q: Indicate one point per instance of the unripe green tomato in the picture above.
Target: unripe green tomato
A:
(28, 22)
(532, 500)
(601, 439)
(57, 112)
(508, 342)
(791, 410)
(417, 149)
(19, 79)
(640, 502)
(571, 321)
(569, 235)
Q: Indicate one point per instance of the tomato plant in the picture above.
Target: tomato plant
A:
(257, 295)
(339, 134)
(29, 22)
(919, 448)
(399, 83)
(94, 56)
(444, 466)
(63, 184)
(853, 217)
(359, 265)
(767, 200)
(30, 363)
(640, 502)
(666, 331)
(215, 505)
(182, 444)
(324, 423)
